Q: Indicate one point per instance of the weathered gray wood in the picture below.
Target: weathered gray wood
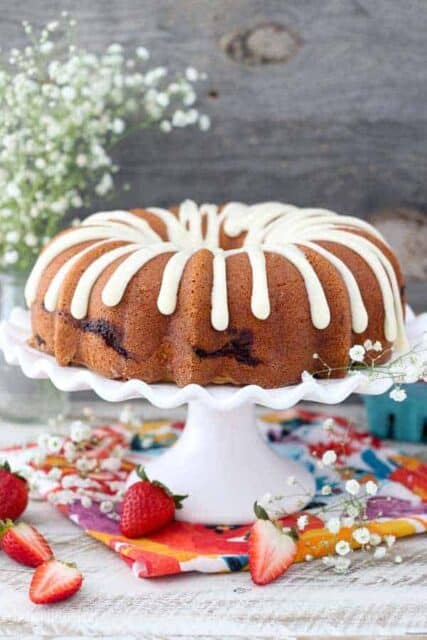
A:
(339, 122)
(342, 124)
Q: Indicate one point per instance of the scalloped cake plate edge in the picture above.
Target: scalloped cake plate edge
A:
(14, 334)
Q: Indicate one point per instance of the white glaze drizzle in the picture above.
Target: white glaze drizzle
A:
(168, 294)
(118, 282)
(319, 308)
(260, 300)
(81, 296)
(269, 227)
(219, 313)
(359, 315)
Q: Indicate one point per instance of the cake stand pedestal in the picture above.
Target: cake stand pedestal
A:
(220, 460)
(223, 465)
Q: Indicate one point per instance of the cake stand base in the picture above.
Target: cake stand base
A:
(224, 466)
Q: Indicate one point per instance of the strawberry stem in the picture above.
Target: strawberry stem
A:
(260, 512)
(178, 499)
(5, 466)
(5, 525)
(141, 473)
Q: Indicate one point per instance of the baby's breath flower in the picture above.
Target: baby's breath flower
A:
(389, 540)
(328, 561)
(342, 548)
(342, 564)
(80, 431)
(353, 510)
(377, 346)
(106, 506)
(204, 123)
(380, 553)
(118, 125)
(86, 502)
(179, 118)
(30, 239)
(54, 473)
(13, 191)
(163, 99)
(352, 487)
(46, 47)
(192, 74)
(81, 160)
(326, 490)
(397, 394)
(11, 257)
(371, 488)
(60, 114)
(357, 353)
(375, 539)
(302, 522)
(333, 525)
(104, 185)
(142, 53)
(165, 126)
(54, 444)
(329, 457)
(362, 535)
(84, 464)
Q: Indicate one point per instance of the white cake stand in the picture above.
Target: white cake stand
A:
(220, 460)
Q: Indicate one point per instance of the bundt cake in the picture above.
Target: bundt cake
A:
(236, 294)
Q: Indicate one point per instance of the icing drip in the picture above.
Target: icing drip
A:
(269, 227)
(168, 296)
(80, 301)
(260, 300)
(219, 313)
(359, 315)
(319, 308)
(116, 286)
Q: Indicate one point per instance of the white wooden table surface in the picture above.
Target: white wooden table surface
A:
(375, 599)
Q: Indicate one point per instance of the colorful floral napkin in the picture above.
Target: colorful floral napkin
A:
(88, 489)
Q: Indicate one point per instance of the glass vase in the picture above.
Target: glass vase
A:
(23, 399)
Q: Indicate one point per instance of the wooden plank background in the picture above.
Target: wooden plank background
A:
(340, 122)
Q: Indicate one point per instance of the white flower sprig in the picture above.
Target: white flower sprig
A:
(345, 515)
(405, 369)
(61, 113)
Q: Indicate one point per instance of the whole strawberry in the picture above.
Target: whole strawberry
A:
(24, 543)
(147, 506)
(13, 493)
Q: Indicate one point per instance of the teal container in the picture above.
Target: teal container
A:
(405, 420)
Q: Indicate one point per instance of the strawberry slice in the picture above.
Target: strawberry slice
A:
(272, 550)
(24, 543)
(54, 581)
